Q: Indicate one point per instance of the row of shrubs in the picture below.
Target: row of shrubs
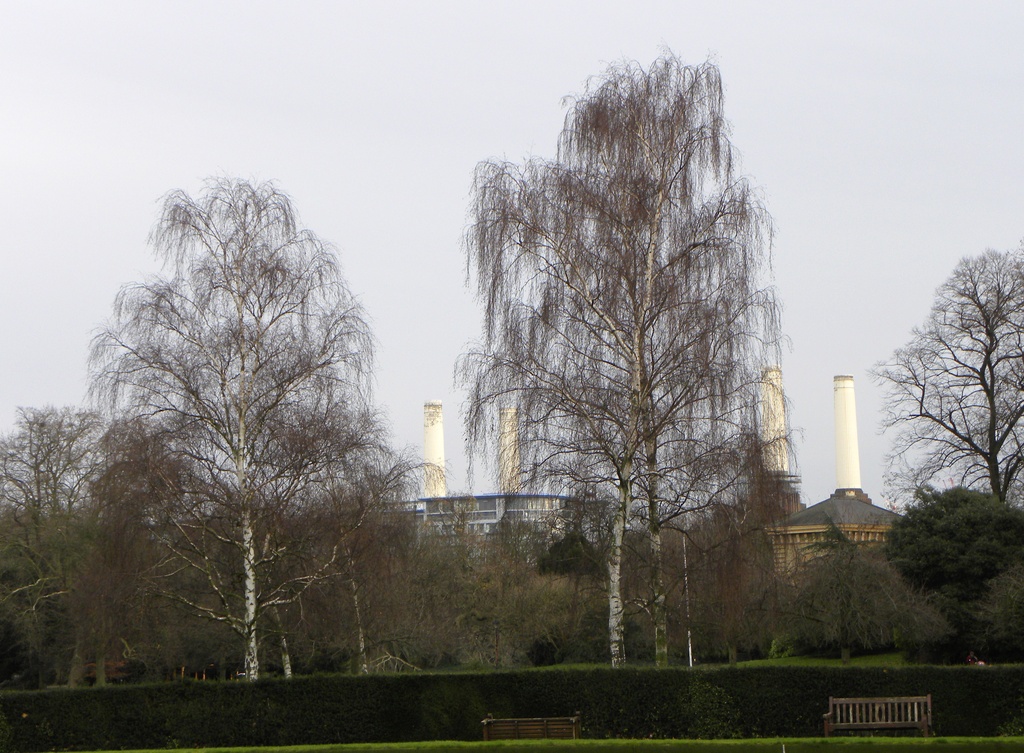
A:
(674, 703)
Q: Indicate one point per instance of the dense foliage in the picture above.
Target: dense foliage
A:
(954, 544)
(850, 597)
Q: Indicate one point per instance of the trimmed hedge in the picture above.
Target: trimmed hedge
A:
(677, 703)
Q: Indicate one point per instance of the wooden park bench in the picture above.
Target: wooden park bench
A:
(559, 727)
(910, 712)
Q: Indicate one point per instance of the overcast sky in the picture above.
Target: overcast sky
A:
(887, 138)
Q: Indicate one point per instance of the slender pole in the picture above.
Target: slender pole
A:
(686, 602)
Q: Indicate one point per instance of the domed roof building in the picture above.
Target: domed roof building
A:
(848, 510)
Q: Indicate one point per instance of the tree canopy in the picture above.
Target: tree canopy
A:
(251, 358)
(625, 311)
(955, 391)
(848, 596)
(955, 540)
(953, 544)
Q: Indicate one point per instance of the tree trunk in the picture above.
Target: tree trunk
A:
(252, 661)
(286, 657)
(686, 604)
(733, 654)
(615, 611)
(364, 667)
(844, 652)
(76, 672)
(101, 667)
(659, 606)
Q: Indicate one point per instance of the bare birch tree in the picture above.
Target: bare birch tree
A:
(252, 358)
(624, 311)
(955, 392)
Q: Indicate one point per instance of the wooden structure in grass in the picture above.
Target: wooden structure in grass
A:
(854, 714)
(558, 727)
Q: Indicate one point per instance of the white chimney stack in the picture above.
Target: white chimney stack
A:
(847, 451)
(434, 484)
(509, 465)
(773, 421)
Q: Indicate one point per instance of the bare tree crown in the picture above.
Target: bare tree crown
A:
(955, 391)
(624, 310)
(252, 358)
(628, 270)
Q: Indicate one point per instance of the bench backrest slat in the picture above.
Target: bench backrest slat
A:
(559, 727)
(879, 713)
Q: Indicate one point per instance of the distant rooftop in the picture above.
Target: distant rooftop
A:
(846, 507)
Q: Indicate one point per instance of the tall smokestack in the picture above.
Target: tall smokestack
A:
(434, 484)
(509, 467)
(847, 451)
(773, 422)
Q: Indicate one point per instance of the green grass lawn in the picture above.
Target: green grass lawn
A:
(805, 745)
(891, 659)
(894, 659)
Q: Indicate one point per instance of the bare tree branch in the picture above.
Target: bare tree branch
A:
(624, 310)
(253, 359)
(955, 392)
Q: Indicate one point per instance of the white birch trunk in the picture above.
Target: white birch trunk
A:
(364, 667)
(659, 607)
(248, 525)
(615, 611)
(286, 658)
(252, 661)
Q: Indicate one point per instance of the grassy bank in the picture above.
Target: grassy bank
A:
(804, 745)
(894, 659)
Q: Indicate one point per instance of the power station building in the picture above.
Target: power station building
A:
(848, 510)
(480, 513)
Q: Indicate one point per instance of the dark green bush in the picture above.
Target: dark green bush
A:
(711, 712)
(631, 702)
(5, 735)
